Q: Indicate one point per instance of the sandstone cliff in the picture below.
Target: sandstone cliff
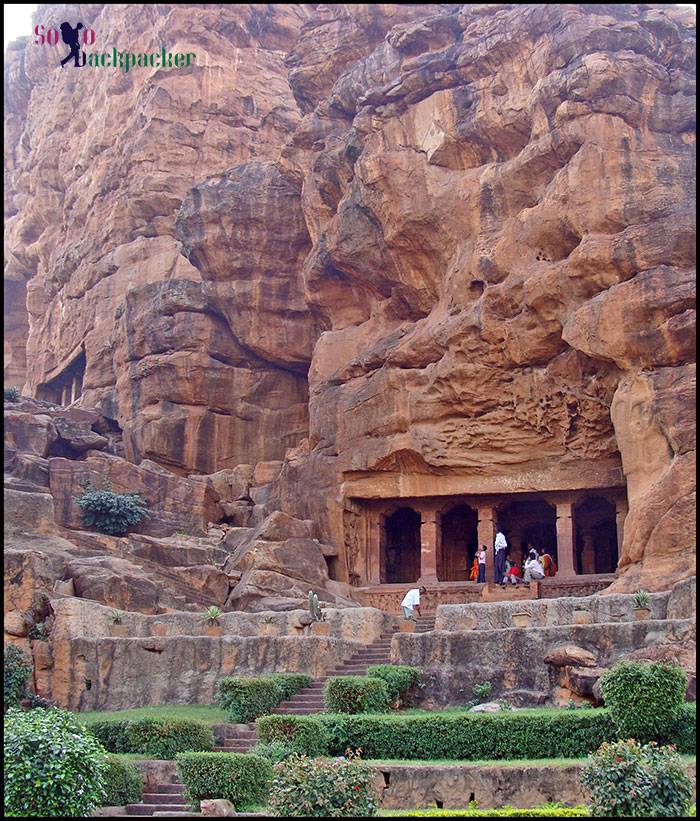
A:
(431, 241)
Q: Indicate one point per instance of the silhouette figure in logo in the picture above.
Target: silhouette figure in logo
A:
(69, 35)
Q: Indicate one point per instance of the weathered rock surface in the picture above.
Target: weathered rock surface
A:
(391, 245)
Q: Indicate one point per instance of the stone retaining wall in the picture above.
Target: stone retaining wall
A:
(82, 618)
(452, 787)
(513, 659)
(676, 604)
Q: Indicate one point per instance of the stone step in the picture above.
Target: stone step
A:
(150, 809)
(161, 798)
(296, 711)
(175, 788)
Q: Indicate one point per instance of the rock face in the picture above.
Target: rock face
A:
(435, 241)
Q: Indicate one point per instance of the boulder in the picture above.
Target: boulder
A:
(570, 655)
(217, 807)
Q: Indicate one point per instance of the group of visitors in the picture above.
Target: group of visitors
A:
(536, 566)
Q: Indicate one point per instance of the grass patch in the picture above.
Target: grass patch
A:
(210, 714)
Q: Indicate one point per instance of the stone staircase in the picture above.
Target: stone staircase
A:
(168, 799)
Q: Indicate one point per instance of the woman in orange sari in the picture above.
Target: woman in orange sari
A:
(475, 570)
(548, 565)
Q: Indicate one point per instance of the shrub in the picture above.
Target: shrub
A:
(157, 738)
(304, 734)
(314, 788)
(503, 812)
(123, 783)
(246, 697)
(112, 735)
(645, 700)
(482, 692)
(213, 613)
(356, 694)
(291, 683)
(53, 768)
(110, 512)
(398, 678)
(627, 779)
(11, 394)
(242, 778)
(17, 670)
(273, 751)
(163, 739)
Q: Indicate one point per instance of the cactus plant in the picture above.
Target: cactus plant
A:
(315, 610)
(117, 616)
(213, 613)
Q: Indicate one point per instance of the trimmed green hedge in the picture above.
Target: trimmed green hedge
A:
(356, 694)
(399, 678)
(503, 812)
(307, 735)
(644, 699)
(508, 735)
(242, 778)
(246, 697)
(123, 783)
(157, 738)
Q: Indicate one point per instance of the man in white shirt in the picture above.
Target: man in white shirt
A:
(499, 547)
(411, 600)
(533, 568)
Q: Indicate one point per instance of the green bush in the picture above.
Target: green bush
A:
(113, 735)
(356, 694)
(123, 783)
(314, 788)
(503, 812)
(398, 678)
(246, 697)
(291, 683)
(17, 670)
(304, 734)
(644, 700)
(157, 738)
(273, 751)
(630, 780)
(470, 736)
(242, 778)
(684, 733)
(108, 512)
(163, 739)
(11, 394)
(53, 768)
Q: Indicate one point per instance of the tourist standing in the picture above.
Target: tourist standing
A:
(533, 569)
(481, 556)
(474, 574)
(499, 548)
(410, 601)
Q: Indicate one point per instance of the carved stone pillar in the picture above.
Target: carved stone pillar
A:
(75, 389)
(516, 547)
(621, 510)
(429, 532)
(565, 540)
(588, 553)
(486, 534)
(65, 396)
(374, 539)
